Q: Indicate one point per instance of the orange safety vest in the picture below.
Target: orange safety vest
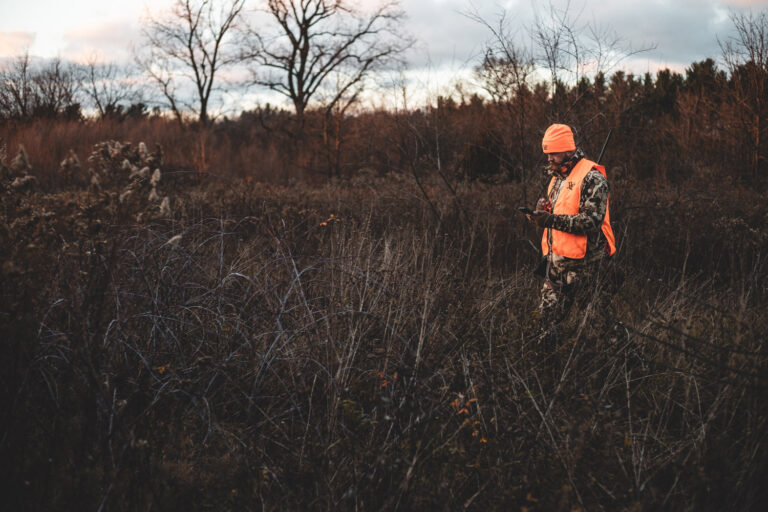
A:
(567, 203)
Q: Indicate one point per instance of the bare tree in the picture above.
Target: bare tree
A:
(317, 39)
(570, 50)
(49, 89)
(746, 58)
(505, 74)
(57, 86)
(17, 89)
(192, 42)
(108, 86)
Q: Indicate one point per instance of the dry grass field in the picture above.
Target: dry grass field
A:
(200, 340)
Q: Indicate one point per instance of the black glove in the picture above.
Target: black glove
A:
(542, 218)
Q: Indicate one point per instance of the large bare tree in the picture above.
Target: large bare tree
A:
(191, 42)
(314, 40)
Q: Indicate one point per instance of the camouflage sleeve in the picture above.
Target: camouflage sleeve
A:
(592, 205)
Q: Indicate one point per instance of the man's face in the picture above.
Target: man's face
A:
(557, 158)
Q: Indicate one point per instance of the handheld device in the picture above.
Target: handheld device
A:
(525, 210)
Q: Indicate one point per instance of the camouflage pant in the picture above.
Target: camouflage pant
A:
(568, 282)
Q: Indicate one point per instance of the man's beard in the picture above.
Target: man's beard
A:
(564, 168)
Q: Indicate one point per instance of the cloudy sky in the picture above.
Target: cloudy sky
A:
(449, 42)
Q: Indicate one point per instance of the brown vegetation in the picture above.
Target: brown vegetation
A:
(338, 313)
(367, 344)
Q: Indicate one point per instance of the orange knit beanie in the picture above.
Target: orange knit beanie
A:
(558, 138)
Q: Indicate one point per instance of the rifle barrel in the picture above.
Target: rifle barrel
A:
(605, 144)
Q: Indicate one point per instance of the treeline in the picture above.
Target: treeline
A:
(665, 127)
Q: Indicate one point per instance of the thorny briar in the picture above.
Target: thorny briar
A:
(237, 353)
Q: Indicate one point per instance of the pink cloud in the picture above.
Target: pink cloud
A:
(106, 42)
(15, 43)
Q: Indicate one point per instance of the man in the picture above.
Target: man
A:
(576, 221)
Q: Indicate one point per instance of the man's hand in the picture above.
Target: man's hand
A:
(542, 214)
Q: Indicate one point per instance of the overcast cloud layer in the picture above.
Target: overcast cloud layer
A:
(683, 31)
(449, 43)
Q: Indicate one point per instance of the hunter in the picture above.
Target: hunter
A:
(576, 221)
